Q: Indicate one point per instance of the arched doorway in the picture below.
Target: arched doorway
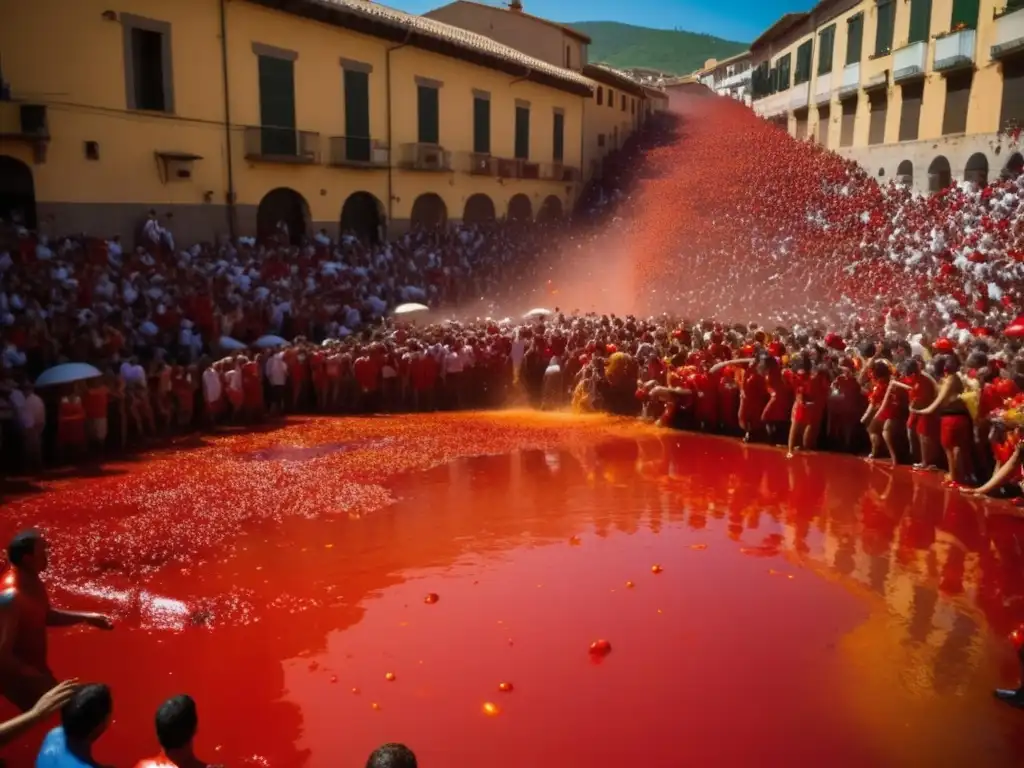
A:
(905, 173)
(479, 209)
(520, 208)
(1014, 166)
(976, 170)
(939, 175)
(429, 211)
(363, 216)
(550, 209)
(17, 192)
(282, 211)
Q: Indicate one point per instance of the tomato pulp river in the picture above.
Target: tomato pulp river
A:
(806, 612)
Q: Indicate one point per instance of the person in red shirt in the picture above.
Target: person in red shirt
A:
(811, 387)
(318, 375)
(71, 433)
(252, 388)
(778, 410)
(367, 372)
(176, 724)
(96, 402)
(883, 408)
(922, 429)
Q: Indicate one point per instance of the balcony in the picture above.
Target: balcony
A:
(955, 51)
(909, 62)
(823, 89)
(559, 172)
(426, 157)
(773, 105)
(1008, 37)
(26, 123)
(799, 96)
(850, 82)
(281, 145)
(358, 152)
(476, 163)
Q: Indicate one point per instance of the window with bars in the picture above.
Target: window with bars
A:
(826, 46)
(854, 38)
(886, 17)
(803, 63)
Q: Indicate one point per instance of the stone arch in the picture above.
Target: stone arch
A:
(976, 170)
(550, 209)
(939, 174)
(429, 211)
(479, 209)
(905, 173)
(363, 215)
(1014, 166)
(283, 212)
(520, 208)
(17, 192)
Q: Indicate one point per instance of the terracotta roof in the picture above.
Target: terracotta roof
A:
(605, 74)
(786, 22)
(568, 30)
(381, 21)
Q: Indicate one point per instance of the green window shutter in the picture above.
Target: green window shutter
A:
(559, 138)
(482, 126)
(429, 115)
(522, 133)
(886, 14)
(854, 39)
(803, 62)
(827, 41)
(357, 116)
(1014, 5)
(277, 106)
(920, 20)
(784, 71)
(965, 13)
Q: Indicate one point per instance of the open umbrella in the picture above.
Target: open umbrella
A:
(268, 341)
(67, 373)
(408, 309)
(226, 342)
(538, 312)
(1015, 330)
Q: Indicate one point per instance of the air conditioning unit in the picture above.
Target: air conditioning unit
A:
(379, 156)
(429, 158)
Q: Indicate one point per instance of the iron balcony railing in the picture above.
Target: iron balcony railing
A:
(425, 157)
(281, 145)
(358, 152)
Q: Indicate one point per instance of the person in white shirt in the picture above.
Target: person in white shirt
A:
(277, 376)
(212, 391)
(30, 411)
(453, 366)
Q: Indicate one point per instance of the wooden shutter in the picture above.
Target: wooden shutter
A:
(428, 114)
(854, 38)
(920, 20)
(522, 133)
(910, 111)
(826, 44)
(849, 121)
(482, 126)
(958, 96)
(277, 106)
(824, 113)
(804, 55)
(558, 140)
(784, 72)
(878, 104)
(886, 17)
(1011, 113)
(357, 116)
(965, 12)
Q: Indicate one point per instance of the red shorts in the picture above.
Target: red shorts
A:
(924, 426)
(807, 414)
(957, 431)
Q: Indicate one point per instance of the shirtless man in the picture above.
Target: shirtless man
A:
(25, 613)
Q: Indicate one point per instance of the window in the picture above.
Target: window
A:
(878, 106)
(910, 110)
(428, 113)
(600, 139)
(886, 17)
(482, 125)
(632, 106)
(920, 20)
(849, 120)
(600, 95)
(1011, 112)
(522, 133)
(823, 122)
(854, 38)
(782, 68)
(568, 57)
(611, 98)
(623, 102)
(803, 63)
(826, 46)
(558, 140)
(965, 14)
(147, 64)
(277, 106)
(357, 115)
(958, 96)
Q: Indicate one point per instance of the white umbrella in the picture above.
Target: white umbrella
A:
(538, 312)
(265, 342)
(67, 373)
(408, 309)
(226, 342)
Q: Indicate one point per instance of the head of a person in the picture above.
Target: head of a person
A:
(392, 756)
(86, 716)
(28, 551)
(176, 723)
(880, 370)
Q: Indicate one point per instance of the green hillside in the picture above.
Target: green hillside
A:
(623, 45)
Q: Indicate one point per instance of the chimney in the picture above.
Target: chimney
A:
(515, 5)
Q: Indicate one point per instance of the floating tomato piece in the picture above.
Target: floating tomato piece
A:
(431, 598)
(600, 648)
(505, 687)
(656, 568)
(390, 677)
(491, 709)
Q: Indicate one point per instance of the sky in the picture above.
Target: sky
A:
(741, 20)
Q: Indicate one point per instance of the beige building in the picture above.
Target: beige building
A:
(728, 77)
(928, 91)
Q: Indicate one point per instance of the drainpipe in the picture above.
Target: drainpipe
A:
(227, 118)
(391, 147)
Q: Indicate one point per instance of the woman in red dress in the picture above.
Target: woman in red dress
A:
(887, 405)
(777, 411)
(811, 386)
(922, 431)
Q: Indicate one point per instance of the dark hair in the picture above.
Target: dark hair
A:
(88, 709)
(23, 545)
(392, 756)
(176, 722)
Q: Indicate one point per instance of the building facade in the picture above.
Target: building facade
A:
(729, 77)
(235, 115)
(924, 91)
(616, 111)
